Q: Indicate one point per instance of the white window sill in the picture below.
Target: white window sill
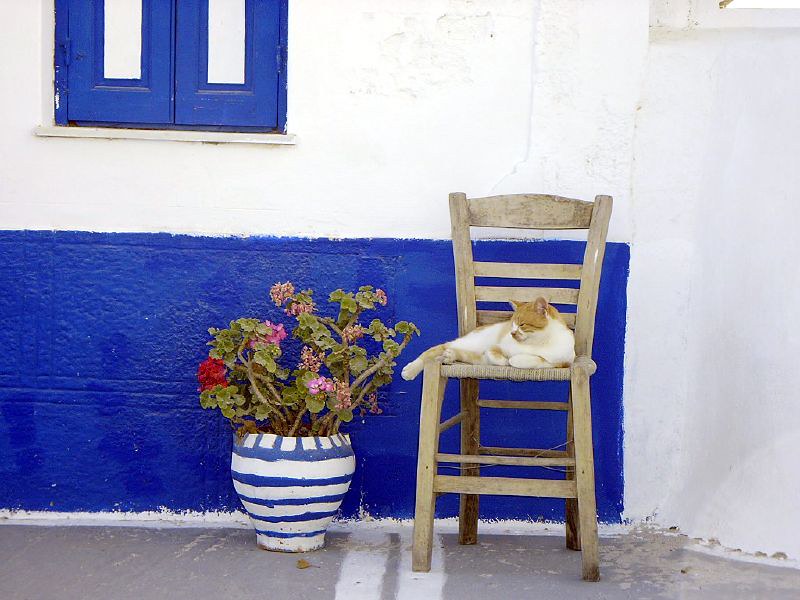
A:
(208, 137)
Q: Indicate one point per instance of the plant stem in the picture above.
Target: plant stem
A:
(325, 421)
(381, 363)
(332, 324)
(363, 393)
(354, 318)
(275, 394)
(252, 376)
(298, 420)
(254, 386)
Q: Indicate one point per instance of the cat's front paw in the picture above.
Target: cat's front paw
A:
(448, 356)
(408, 373)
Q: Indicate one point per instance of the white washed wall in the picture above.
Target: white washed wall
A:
(396, 104)
(711, 405)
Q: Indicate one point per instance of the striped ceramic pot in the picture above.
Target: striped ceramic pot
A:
(291, 486)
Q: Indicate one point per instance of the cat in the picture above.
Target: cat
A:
(536, 336)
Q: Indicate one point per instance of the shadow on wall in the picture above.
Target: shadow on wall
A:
(102, 334)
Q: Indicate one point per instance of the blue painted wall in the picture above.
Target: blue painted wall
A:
(101, 335)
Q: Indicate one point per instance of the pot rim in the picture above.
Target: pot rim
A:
(340, 436)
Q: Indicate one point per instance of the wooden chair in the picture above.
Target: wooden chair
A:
(522, 212)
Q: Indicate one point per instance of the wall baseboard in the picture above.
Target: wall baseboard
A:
(166, 519)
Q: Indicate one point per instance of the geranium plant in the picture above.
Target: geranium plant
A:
(342, 364)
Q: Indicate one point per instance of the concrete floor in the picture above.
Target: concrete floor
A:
(366, 561)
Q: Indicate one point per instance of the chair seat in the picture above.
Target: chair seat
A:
(507, 373)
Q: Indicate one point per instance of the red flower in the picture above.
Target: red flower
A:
(210, 373)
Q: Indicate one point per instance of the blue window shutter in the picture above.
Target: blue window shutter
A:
(91, 96)
(251, 104)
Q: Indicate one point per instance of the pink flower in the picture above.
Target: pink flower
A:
(343, 400)
(295, 309)
(352, 333)
(373, 404)
(278, 333)
(311, 360)
(320, 384)
(280, 292)
(381, 295)
(276, 337)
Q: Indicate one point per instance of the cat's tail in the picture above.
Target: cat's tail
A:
(414, 368)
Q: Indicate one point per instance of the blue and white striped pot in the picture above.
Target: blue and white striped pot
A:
(291, 486)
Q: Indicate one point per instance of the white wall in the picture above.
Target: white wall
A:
(691, 129)
(717, 288)
(394, 105)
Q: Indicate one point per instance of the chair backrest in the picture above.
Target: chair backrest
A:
(529, 211)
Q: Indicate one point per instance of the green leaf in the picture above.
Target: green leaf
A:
(303, 379)
(264, 358)
(349, 304)
(345, 415)
(406, 327)
(358, 364)
(315, 403)
(365, 300)
(392, 347)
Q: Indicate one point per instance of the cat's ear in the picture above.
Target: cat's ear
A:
(514, 304)
(540, 306)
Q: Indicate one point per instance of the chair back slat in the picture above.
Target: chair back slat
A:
(526, 270)
(530, 211)
(488, 317)
(485, 293)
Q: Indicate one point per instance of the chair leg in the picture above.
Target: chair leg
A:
(433, 386)
(470, 442)
(584, 473)
(571, 520)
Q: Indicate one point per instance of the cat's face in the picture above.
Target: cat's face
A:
(529, 318)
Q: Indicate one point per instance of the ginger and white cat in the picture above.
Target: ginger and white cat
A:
(535, 337)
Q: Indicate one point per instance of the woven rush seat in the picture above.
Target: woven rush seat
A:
(506, 373)
(465, 371)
